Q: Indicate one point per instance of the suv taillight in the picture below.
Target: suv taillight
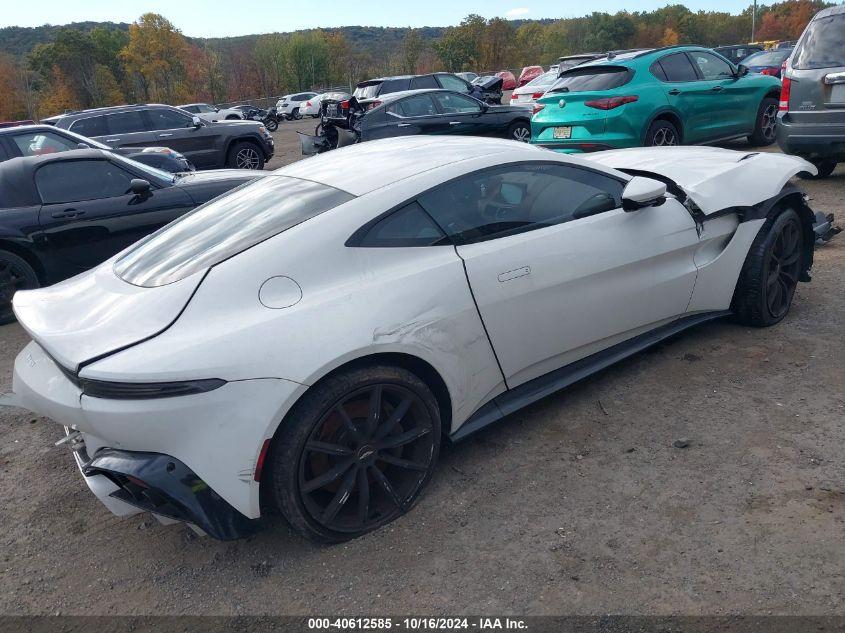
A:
(611, 102)
(785, 87)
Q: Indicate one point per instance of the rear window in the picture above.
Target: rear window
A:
(767, 58)
(367, 91)
(224, 227)
(592, 78)
(821, 46)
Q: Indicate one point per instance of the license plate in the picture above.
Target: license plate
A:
(562, 132)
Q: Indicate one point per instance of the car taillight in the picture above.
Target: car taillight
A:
(785, 87)
(772, 72)
(538, 107)
(537, 95)
(373, 104)
(344, 105)
(610, 102)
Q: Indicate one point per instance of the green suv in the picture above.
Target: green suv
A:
(666, 96)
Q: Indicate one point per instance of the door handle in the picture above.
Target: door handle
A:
(404, 125)
(164, 135)
(67, 213)
(112, 140)
(454, 122)
(717, 88)
(514, 274)
(674, 91)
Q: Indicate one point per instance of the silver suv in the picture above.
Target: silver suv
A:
(811, 117)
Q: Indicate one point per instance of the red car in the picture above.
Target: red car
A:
(528, 73)
(508, 80)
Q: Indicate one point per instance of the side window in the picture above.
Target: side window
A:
(451, 103)
(126, 122)
(712, 67)
(192, 109)
(419, 105)
(4, 155)
(393, 85)
(166, 119)
(40, 143)
(450, 82)
(657, 70)
(409, 226)
(78, 180)
(423, 81)
(677, 67)
(90, 127)
(517, 198)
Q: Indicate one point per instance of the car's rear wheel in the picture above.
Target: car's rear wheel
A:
(15, 274)
(662, 133)
(296, 115)
(824, 167)
(355, 452)
(519, 131)
(765, 126)
(770, 274)
(245, 155)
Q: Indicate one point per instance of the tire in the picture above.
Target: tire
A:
(320, 461)
(770, 274)
(519, 131)
(15, 274)
(662, 133)
(765, 125)
(245, 155)
(295, 115)
(825, 167)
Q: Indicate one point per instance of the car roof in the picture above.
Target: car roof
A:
(106, 110)
(391, 160)
(35, 127)
(830, 11)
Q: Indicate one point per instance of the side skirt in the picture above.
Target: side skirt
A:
(543, 386)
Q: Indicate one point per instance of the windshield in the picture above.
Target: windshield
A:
(767, 58)
(160, 174)
(591, 79)
(90, 142)
(366, 92)
(544, 79)
(821, 46)
(224, 227)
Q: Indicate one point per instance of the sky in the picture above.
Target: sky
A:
(221, 18)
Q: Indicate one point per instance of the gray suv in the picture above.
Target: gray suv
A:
(207, 144)
(811, 120)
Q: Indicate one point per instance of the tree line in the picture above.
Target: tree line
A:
(153, 61)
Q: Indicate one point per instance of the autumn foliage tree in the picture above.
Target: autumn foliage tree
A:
(155, 60)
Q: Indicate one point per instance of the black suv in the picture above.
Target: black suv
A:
(207, 144)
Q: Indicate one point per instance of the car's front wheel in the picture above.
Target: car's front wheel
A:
(519, 131)
(770, 274)
(15, 274)
(765, 126)
(245, 155)
(355, 452)
(662, 133)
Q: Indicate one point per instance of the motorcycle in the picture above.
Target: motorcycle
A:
(269, 118)
(339, 126)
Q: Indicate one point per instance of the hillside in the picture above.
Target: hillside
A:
(20, 40)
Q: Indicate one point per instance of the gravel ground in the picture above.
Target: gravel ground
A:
(578, 504)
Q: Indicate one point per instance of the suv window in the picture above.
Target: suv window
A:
(393, 85)
(452, 83)
(409, 226)
(424, 81)
(517, 198)
(40, 143)
(592, 78)
(821, 45)
(419, 105)
(78, 180)
(90, 126)
(677, 67)
(712, 67)
(452, 103)
(126, 122)
(166, 119)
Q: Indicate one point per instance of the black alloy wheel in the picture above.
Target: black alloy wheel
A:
(782, 268)
(366, 459)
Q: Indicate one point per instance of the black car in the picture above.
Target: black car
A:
(376, 88)
(37, 140)
(207, 144)
(735, 53)
(63, 213)
(443, 112)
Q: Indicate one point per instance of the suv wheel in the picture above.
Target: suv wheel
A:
(765, 125)
(245, 155)
(825, 168)
(661, 133)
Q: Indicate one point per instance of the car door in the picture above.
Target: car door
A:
(730, 98)
(88, 214)
(174, 129)
(558, 270)
(409, 116)
(686, 93)
(461, 114)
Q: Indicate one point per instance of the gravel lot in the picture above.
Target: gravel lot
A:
(579, 504)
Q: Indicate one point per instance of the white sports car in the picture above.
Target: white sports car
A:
(309, 339)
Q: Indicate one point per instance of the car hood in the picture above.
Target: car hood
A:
(713, 178)
(96, 313)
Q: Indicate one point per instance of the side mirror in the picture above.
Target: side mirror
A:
(742, 70)
(139, 186)
(643, 192)
(196, 122)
